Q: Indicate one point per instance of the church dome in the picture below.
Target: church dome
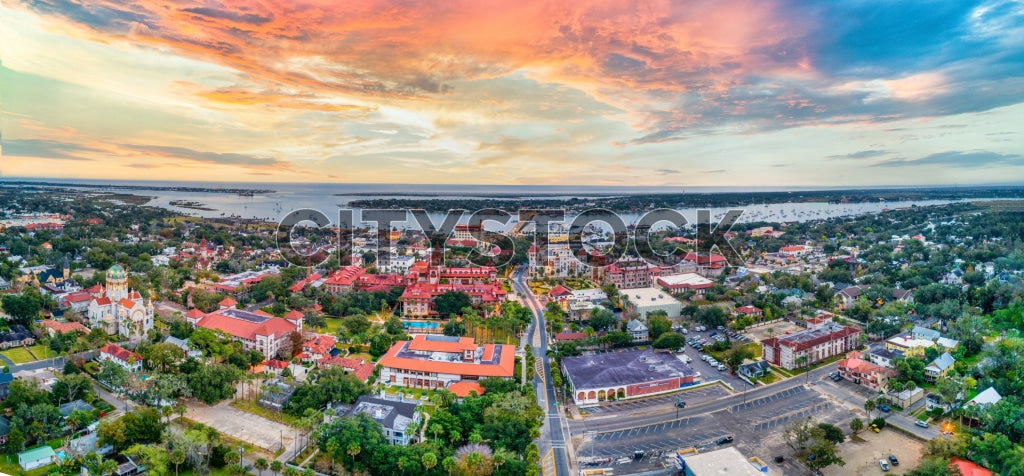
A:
(115, 272)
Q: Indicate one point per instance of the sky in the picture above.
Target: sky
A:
(616, 92)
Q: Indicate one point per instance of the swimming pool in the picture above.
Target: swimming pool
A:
(62, 455)
(420, 324)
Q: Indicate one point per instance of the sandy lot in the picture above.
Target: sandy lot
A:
(779, 328)
(241, 425)
(862, 458)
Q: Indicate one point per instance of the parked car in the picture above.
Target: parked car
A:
(884, 408)
(884, 464)
(875, 428)
(893, 461)
(722, 367)
(725, 439)
(721, 328)
(712, 334)
(922, 424)
(681, 404)
(685, 331)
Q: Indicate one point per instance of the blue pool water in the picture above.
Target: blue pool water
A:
(62, 455)
(420, 324)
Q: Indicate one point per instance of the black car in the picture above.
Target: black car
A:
(893, 460)
(725, 439)
(681, 404)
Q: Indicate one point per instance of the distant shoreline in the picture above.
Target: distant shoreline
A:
(238, 191)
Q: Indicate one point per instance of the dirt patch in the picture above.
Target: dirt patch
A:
(778, 328)
(862, 458)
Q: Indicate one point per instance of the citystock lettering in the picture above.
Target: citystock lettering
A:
(308, 237)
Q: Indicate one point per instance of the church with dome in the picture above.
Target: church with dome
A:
(119, 310)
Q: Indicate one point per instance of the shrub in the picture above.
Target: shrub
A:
(879, 422)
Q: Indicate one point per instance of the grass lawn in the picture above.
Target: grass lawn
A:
(815, 365)
(251, 407)
(18, 355)
(9, 465)
(768, 378)
(333, 325)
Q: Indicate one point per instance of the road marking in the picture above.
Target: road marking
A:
(548, 464)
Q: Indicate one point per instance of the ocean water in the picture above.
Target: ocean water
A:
(329, 198)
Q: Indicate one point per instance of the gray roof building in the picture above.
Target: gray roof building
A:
(394, 416)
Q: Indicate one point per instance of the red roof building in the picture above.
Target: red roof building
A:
(463, 388)
(227, 302)
(357, 367)
(814, 344)
(255, 330)
(749, 310)
(53, 327)
(127, 359)
(434, 361)
(343, 280)
(317, 348)
(864, 373)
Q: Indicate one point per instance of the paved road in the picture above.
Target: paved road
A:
(660, 415)
(554, 423)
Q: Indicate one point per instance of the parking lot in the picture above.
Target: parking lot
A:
(862, 458)
(707, 372)
(691, 397)
(756, 426)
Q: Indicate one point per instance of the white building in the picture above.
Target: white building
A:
(119, 310)
(643, 301)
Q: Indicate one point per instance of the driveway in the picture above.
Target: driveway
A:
(244, 426)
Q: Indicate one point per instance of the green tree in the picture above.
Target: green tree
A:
(176, 457)
(261, 464)
(451, 302)
(658, 324)
(669, 340)
(429, 460)
(869, 406)
(276, 466)
(856, 425)
(823, 452)
(832, 433)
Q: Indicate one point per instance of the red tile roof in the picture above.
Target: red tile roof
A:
(462, 388)
(360, 368)
(276, 364)
(246, 329)
(63, 327)
(748, 310)
(345, 276)
(94, 289)
(103, 301)
(422, 344)
(227, 302)
(567, 336)
(503, 368)
(319, 344)
(862, 366)
(119, 352)
(294, 315)
(711, 260)
(969, 468)
(194, 313)
(559, 291)
(126, 303)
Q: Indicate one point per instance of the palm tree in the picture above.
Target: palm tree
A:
(449, 464)
(261, 464)
(353, 449)
(290, 471)
(308, 472)
(166, 411)
(869, 406)
(429, 460)
(332, 447)
(276, 466)
(176, 457)
(436, 428)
